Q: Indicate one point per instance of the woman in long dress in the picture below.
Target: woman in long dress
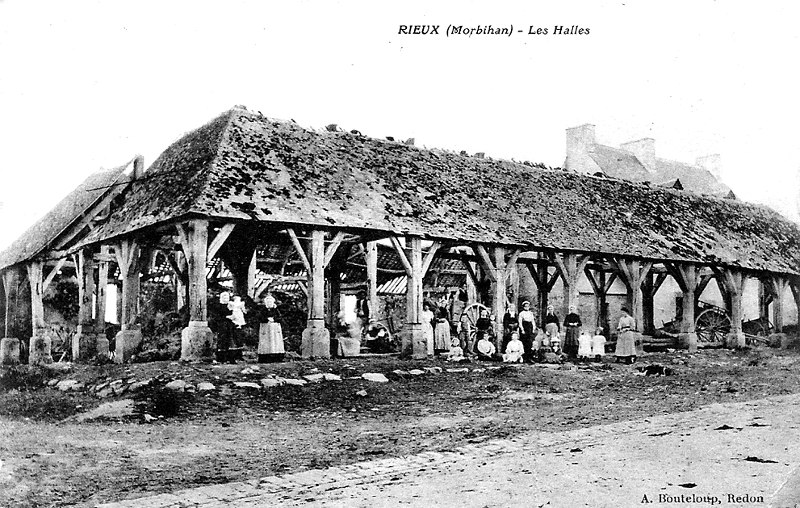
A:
(626, 339)
(441, 334)
(427, 327)
(270, 335)
(572, 327)
(527, 329)
(551, 328)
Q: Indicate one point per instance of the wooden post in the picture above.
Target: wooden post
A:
(9, 346)
(102, 288)
(127, 253)
(779, 284)
(252, 268)
(734, 280)
(600, 287)
(10, 288)
(499, 268)
(316, 338)
(88, 341)
(794, 285)
(128, 339)
(40, 342)
(471, 282)
(570, 265)
(371, 254)
(687, 276)
(499, 294)
(196, 338)
(414, 340)
(632, 272)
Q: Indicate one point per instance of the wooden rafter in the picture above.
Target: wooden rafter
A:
(299, 248)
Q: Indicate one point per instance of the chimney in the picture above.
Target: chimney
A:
(712, 164)
(644, 150)
(580, 141)
(138, 167)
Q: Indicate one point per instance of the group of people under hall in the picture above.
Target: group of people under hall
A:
(228, 320)
(522, 340)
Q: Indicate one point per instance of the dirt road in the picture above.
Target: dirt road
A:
(731, 454)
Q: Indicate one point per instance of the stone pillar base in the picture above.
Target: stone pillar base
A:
(735, 340)
(126, 343)
(9, 351)
(688, 341)
(316, 341)
(39, 350)
(414, 344)
(197, 342)
(84, 344)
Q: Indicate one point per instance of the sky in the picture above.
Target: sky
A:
(86, 85)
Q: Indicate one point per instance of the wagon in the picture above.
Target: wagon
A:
(713, 323)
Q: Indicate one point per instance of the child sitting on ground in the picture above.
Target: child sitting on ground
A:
(514, 350)
(456, 354)
(598, 344)
(485, 348)
(555, 341)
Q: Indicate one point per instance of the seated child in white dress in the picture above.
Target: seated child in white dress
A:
(456, 354)
(485, 348)
(555, 342)
(514, 350)
(598, 344)
(584, 346)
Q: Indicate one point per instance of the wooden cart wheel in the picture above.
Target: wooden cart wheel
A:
(712, 325)
(470, 316)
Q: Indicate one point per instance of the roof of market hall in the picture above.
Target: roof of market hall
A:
(245, 166)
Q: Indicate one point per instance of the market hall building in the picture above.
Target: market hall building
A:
(266, 200)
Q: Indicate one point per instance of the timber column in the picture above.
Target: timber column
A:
(687, 277)
(414, 342)
(87, 342)
(734, 281)
(129, 337)
(197, 337)
(316, 339)
(9, 346)
(40, 342)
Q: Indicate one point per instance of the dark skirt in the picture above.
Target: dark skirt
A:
(571, 340)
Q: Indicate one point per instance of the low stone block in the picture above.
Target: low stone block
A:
(375, 377)
(688, 341)
(178, 385)
(9, 351)
(316, 341)
(127, 343)
(39, 350)
(197, 340)
(84, 344)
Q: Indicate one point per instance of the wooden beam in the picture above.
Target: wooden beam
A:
(402, 255)
(330, 250)
(428, 259)
(223, 234)
(53, 273)
(299, 248)
(486, 261)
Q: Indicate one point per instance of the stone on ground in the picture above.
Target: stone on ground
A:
(116, 409)
(178, 385)
(69, 385)
(295, 382)
(332, 377)
(246, 384)
(375, 377)
(271, 383)
(416, 372)
(205, 387)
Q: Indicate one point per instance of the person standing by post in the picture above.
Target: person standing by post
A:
(527, 329)
(572, 330)
(626, 340)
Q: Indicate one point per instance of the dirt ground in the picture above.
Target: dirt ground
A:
(181, 440)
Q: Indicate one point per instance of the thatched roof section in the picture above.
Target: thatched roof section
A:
(41, 235)
(244, 166)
